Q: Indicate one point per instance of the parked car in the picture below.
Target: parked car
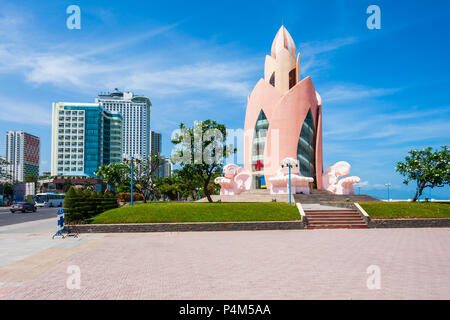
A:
(23, 207)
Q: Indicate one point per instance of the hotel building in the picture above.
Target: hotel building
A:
(22, 152)
(135, 111)
(84, 137)
(155, 142)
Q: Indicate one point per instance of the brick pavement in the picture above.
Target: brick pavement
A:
(322, 264)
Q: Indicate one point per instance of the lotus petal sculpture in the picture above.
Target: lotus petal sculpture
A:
(235, 181)
(332, 183)
(283, 116)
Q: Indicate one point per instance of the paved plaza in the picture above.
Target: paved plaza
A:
(322, 264)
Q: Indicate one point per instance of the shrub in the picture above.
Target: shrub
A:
(81, 205)
(126, 197)
(98, 203)
(112, 201)
(92, 200)
(71, 206)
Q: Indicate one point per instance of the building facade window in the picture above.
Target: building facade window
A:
(272, 80)
(292, 78)
(306, 148)
(259, 143)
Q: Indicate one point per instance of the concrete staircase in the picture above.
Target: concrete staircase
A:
(323, 196)
(334, 219)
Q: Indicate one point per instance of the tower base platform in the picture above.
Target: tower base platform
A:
(316, 197)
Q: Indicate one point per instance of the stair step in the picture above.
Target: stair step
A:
(312, 220)
(337, 227)
(335, 222)
(331, 211)
(334, 219)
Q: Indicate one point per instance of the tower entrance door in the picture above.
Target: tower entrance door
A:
(259, 182)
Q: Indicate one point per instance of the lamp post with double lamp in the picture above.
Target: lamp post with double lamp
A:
(357, 185)
(388, 185)
(290, 164)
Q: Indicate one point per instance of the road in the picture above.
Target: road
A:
(8, 218)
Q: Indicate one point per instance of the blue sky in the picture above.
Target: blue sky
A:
(384, 91)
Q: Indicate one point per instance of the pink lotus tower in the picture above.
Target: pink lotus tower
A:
(283, 118)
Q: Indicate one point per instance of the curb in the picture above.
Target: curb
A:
(410, 223)
(186, 227)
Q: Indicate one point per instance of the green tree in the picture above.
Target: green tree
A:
(169, 187)
(8, 189)
(72, 206)
(144, 176)
(202, 150)
(4, 175)
(430, 169)
(114, 174)
(67, 185)
(189, 181)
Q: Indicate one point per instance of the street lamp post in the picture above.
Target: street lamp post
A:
(290, 165)
(132, 178)
(388, 185)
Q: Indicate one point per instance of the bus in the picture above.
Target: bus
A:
(49, 199)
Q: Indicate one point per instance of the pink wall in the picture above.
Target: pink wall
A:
(286, 114)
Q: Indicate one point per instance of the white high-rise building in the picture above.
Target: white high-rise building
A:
(84, 137)
(135, 111)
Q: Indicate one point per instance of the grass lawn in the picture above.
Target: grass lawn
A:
(198, 212)
(403, 210)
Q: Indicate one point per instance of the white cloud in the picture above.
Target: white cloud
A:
(12, 110)
(99, 66)
(228, 78)
(314, 48)
(348, 92)
(315, 54)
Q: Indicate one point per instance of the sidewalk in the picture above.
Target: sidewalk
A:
(322, 264)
